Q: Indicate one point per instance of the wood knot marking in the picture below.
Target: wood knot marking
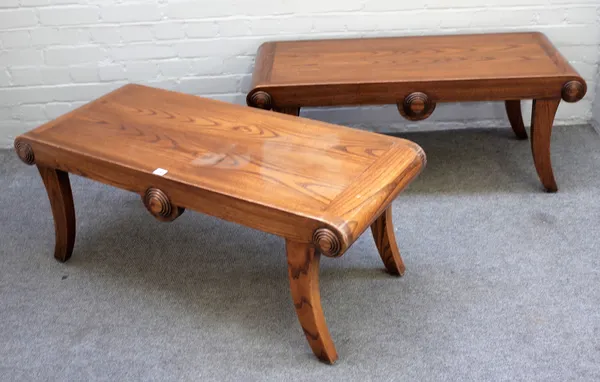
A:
(573, 91)
(159, 205)
(327, 242)
(261, 100)
(24, 151)
(416, 106)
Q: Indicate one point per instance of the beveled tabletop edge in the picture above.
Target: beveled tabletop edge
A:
(355, 208)
(559, 60)
(408, 82)
(263, 63)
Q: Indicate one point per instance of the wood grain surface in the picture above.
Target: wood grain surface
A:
(274, 172)
(476, 67)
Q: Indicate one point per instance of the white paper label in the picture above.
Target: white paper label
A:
(160, 171)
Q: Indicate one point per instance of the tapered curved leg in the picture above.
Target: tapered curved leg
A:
(542, 117)
(513, 110)
(383, 233)
(288, 110)
(303, 270)
(61, 200)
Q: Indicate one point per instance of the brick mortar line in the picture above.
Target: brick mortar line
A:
(340, 33)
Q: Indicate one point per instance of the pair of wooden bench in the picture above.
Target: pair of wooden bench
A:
(319, 186)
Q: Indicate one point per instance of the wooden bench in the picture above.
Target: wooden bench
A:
(319, 186)
(418, 72)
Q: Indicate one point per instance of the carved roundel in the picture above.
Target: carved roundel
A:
(416, 106)
(573, 91)
(327, 242)
(261, 100)
(159, 205)
(24, 151)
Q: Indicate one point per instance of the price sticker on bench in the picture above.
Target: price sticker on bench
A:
(160, 171)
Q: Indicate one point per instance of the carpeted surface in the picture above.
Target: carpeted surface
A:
(502, 282)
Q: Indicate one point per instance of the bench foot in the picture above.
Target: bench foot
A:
(383, 233)
(542, 117)
(303, 270)
(513, 110)
(59, 192)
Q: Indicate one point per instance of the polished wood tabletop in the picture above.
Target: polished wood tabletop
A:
(448, 68)
(295, 169)
(413, 58)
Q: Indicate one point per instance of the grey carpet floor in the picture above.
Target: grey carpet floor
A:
(502, 282)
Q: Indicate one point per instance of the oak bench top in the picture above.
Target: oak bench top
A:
(293, 174)
(448, 68)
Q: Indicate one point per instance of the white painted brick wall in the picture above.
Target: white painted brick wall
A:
(58, 54)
